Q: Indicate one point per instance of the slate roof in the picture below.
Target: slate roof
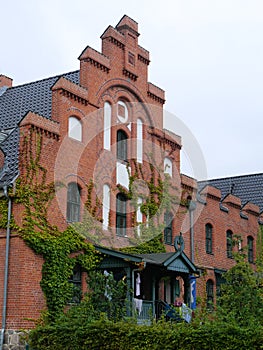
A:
(249, 188)
(15, 103)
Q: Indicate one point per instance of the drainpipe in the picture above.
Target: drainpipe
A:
(192, 279)
(6, 267)
(192, 207)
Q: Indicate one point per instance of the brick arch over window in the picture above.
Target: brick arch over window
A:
(126, 92)
(73, 202)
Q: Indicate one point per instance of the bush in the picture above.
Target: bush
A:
(105, 334)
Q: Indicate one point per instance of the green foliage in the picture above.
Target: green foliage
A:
(106, 296)
(241, 301)
(61, 250)
(105, 334)
(154, 245)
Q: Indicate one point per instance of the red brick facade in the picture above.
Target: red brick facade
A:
(118, 73)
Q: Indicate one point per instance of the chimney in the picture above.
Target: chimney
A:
(5, 81)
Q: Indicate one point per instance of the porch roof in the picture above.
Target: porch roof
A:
(173, 261)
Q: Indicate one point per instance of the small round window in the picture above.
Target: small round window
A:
(122, 112)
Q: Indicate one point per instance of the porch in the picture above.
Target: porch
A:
(155, 282)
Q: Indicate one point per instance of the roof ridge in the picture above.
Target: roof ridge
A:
(40, 80)
(230, 177)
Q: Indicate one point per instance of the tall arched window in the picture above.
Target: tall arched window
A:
(208, 238)
(250, 247)
(139, 217)
(73, 202)
(229, 244)
(121, 214)
(139, 140)
(106, 206)
(74, 128)
(121, 145)
(210, 294)
(168, 230)
(168, 166)
(107, 125)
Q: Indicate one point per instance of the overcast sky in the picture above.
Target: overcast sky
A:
(206, 54)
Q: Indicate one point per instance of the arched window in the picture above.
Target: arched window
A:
(121, 214)
(73, 202)
(74, 128)
(250, 247)
(208, 238)
(106, 206)
(121, 145)
(168, 230)
(209, 294)
(229, 244)
(107, 125)
(168, 166)
(139, 140)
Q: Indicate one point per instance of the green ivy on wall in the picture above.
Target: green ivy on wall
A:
(61, 251)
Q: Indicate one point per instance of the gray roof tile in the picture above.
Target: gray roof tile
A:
(15, 103)
(249, 188)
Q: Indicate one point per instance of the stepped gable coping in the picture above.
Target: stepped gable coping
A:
(143, 55)
(172, 136)
(67, 85)
(232, 200)
(251, 208)
(156, 92)
(127, 22)
(111, 32)
(211, 192)
(92, 54)
(188, 181)
(40, 122)
(165, 136)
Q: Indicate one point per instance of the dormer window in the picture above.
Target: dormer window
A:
(74, 128)
(168, 166)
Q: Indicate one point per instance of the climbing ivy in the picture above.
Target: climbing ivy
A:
(61, 251)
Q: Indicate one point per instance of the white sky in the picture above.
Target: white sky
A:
(206, 54)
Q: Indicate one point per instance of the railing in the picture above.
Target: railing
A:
(146, 313)
(164, 309)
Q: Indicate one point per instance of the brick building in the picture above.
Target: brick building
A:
(104, 123)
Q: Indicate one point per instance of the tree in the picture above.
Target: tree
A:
(241, 301)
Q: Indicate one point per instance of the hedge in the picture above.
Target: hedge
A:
(104, 334)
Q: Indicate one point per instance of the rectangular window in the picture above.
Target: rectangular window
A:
(250, 249)
(168, 231)
(75, 279)
(73, 202)
(121, 214)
